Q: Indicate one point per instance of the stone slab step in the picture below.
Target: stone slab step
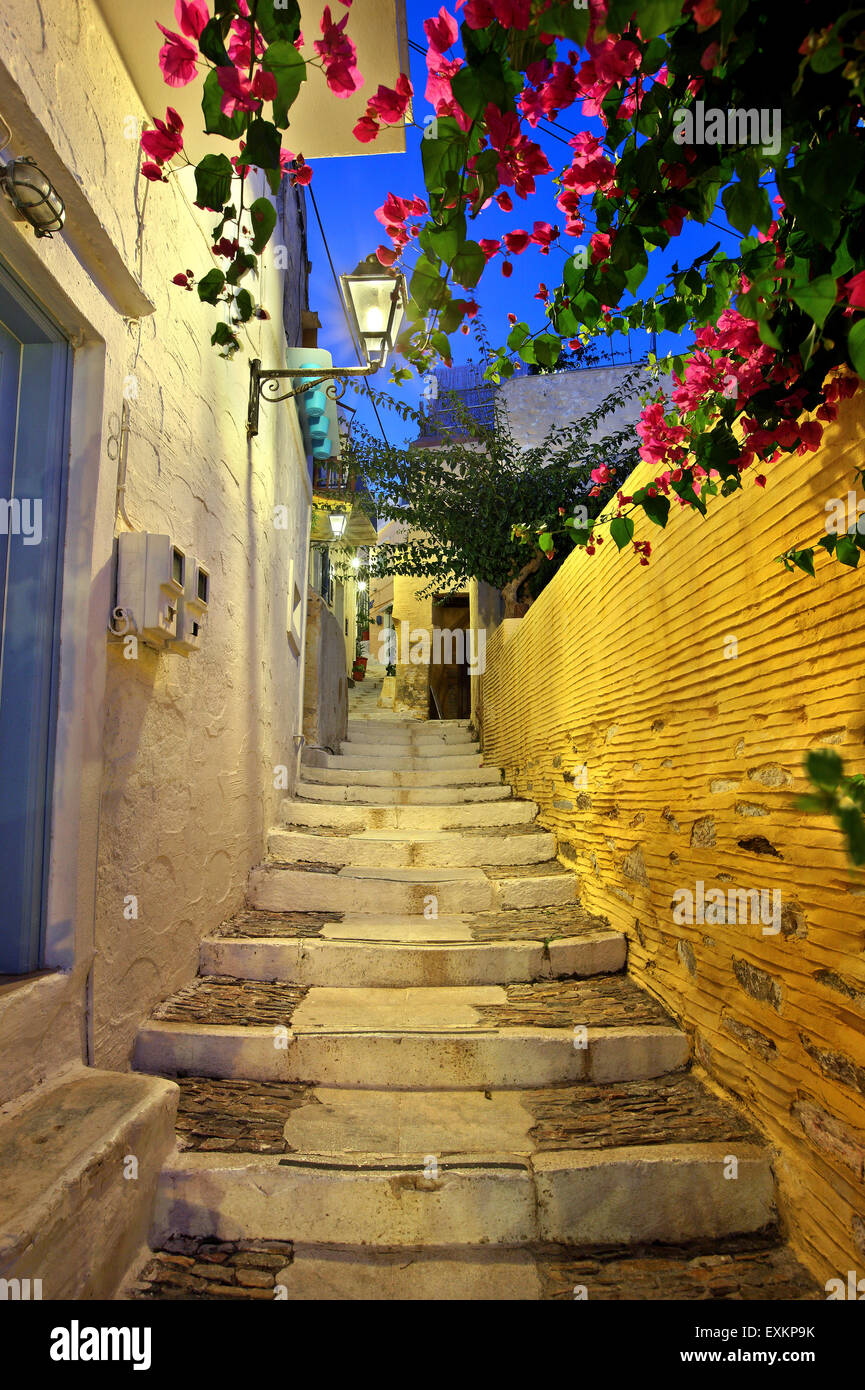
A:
(430, 733)
(601, 1029)
(403, 849)
(391, 963)
(748, 1268)
(401, 796)
(674, 1192)
(68, 1215)
(427, 755)
(389, 777)
(425, 891)
(353, 818)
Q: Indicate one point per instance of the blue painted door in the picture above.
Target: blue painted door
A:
(34, 388)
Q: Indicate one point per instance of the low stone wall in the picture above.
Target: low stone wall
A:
(659, 716)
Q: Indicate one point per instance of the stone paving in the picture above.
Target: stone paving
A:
(255, 922)
(209, 1269)
(604, 1001)
(666, 1110)
(217, 999)
(228, 1116)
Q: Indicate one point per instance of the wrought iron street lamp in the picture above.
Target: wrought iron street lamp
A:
(33, 195)
(376, 300)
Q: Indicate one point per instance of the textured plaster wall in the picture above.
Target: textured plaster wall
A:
(165, 765)
(693, 762)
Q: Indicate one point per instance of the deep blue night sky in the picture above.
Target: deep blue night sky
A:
(347, 192)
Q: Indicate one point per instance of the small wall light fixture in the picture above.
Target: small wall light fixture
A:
(33, 195)
(376, 300)
(338, 522)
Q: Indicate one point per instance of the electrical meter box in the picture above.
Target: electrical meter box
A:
(193, 608)
(151, 582)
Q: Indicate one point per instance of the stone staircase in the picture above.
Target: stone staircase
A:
(413, 1067)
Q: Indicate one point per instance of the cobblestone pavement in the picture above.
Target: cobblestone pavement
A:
(735, 1269)
(218, 1116)
(255, 922)
(219, 999)
(602, 1001)
(667, 1110)
(188, 1268)
(534, 924)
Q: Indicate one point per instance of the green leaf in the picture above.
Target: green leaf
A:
(851, 822)
(427, 286)
(223, 337)
(830, 56)
(262, 214)
(847, 551)
(747, 205)
(278, 21)
(856, 347)
(283, 60)
(213, 177)
(657, 16)
(211, 43)
(262, 145)
(244, 305)
(243, 262)
(622, 531)
(816, 297)
(211, 286)
(545, 541)
(468, 265)
(657, 509)
(804, 560)
(215, 123)
(517, 336)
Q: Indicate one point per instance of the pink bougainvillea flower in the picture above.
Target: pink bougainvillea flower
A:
(181, 279)
(672, 223)
(516, 242)
(543, 235)
(507, 269)
(760, 480)
(543, 293)
(191, 15)
(302, 174)
(338, 55)
(391, 103)
(239, 50)
(177, 59)
(854, 290)
(366, 130)
(709, 58)
(489, 247)
(165, 140)
(264, 85)
(505, 202)
(600, 245)
(153, 172)
(237, 93)
(385, 255)
(442, 31)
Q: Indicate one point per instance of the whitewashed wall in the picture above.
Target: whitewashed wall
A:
(164, 779)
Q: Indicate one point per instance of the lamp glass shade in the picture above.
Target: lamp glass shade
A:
(33, 194)
(338, 522)
(375, 297)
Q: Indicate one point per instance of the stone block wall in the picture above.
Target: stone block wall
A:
(659, 716)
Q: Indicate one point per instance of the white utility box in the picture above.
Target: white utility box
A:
(193, 608)
(151, 580)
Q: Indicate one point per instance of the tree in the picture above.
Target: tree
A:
(471, 505)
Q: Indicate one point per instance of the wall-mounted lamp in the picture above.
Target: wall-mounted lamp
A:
(376, 300)
(338, 523)
(33, 195)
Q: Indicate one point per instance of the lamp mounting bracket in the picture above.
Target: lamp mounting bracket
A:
(264, 384)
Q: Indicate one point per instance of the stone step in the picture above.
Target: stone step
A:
(402, 796)
(401, 849)
(387, 953)
(650, 1161)
(389, 777)
(389, 737)
(351, 819)
(426, 892)
(742, 1268)
(374, 727)
(429, 755)
(602, 1029)
(68, 1215)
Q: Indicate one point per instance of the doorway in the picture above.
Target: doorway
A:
(35, 372)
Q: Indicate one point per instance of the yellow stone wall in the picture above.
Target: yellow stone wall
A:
(693, 759)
